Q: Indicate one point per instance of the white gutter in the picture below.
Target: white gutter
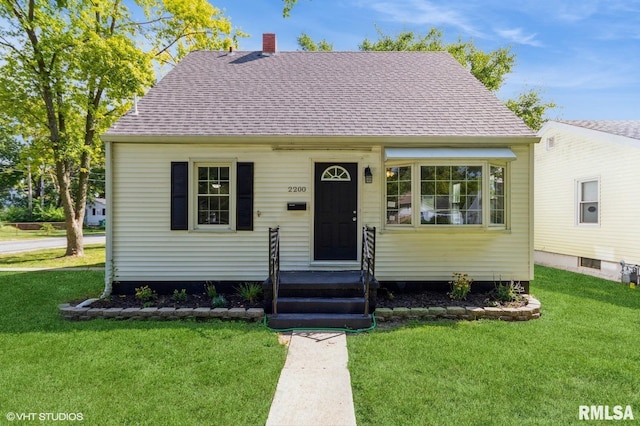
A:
(108, 264)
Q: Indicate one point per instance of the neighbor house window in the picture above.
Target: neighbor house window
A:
(588, 202)
(213, 195)
(447, 194)
(399, 202)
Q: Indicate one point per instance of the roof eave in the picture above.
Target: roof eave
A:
(324, 141)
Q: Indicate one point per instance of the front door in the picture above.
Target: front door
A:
(336, 208)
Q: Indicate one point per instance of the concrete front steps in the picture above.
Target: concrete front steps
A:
(320, 300)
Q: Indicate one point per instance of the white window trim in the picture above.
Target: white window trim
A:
(578, 186)
(415, 197)
(193, 193)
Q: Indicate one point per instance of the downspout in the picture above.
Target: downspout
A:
(109, 268)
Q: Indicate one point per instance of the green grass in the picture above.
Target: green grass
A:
(54, 258)
(9, 233)
(122, 372)
(584, 350)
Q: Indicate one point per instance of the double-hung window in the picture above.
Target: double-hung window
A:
(588, 201)
(208, 195)
(213, 199)
(429, 194)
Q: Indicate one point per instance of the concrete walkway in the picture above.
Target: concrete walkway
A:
(315, 386)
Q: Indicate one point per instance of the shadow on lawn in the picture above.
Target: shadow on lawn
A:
(586, 287)
(30, 304)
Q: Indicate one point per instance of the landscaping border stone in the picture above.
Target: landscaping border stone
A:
(84, 311)
(468, 313)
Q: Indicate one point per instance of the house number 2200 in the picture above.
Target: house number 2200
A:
(297, 189)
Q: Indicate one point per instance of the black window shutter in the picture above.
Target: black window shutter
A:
(244, 202)
(179, 195)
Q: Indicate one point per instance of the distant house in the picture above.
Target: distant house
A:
(587, 196)
(320, 145)
(96, 212)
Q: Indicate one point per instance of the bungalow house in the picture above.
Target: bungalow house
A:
(587, 196)
(318, 146)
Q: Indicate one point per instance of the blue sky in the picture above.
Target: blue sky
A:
(583, 54)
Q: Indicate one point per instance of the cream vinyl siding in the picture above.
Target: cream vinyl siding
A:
(580, 155)
(432, 253)
(144, 248)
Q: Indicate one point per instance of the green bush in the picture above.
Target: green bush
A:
(47, 228)
(180, 296)
(460, 286)
(219, 301)
(210, 288)
(39, 214)
(250, 291)
(510, 291)
(146, 294)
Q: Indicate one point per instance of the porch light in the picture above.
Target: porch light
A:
(368, 175)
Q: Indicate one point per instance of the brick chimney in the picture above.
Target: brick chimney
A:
(268, 44)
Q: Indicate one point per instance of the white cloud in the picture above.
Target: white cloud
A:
(422, 12)
(516, 35)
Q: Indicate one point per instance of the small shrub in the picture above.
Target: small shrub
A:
(47, 228)
(460, 286)
(146, 294)
(180, 296)
(218, 301)
(510, 291)
(250, 291)
(210, 289)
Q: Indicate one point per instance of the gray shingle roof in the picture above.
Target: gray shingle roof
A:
(627, 128)
(320, 94)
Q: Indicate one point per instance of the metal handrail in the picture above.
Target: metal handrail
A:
(274, 264)
(368, 262)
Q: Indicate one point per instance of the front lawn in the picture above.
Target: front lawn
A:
(584, 350)
(119, 372)
(54, 258)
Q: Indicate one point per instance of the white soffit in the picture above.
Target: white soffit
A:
(449, 153)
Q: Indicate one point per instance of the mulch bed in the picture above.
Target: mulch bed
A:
(385, 300)
(167, 301)
(436, 299)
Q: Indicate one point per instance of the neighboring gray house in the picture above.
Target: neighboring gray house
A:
(588, 196)
(319, 144)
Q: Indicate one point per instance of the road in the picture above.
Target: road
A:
(7, 247)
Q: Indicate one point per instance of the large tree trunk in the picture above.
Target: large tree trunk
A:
(73, 216)
(75, 244)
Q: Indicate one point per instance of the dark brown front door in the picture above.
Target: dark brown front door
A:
(336, 207)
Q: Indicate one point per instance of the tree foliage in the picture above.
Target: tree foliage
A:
(287, 7)
(531, 108)
(71, 67)
(9, 158)
(307, 44)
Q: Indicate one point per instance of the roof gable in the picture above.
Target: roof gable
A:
(343, 94)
